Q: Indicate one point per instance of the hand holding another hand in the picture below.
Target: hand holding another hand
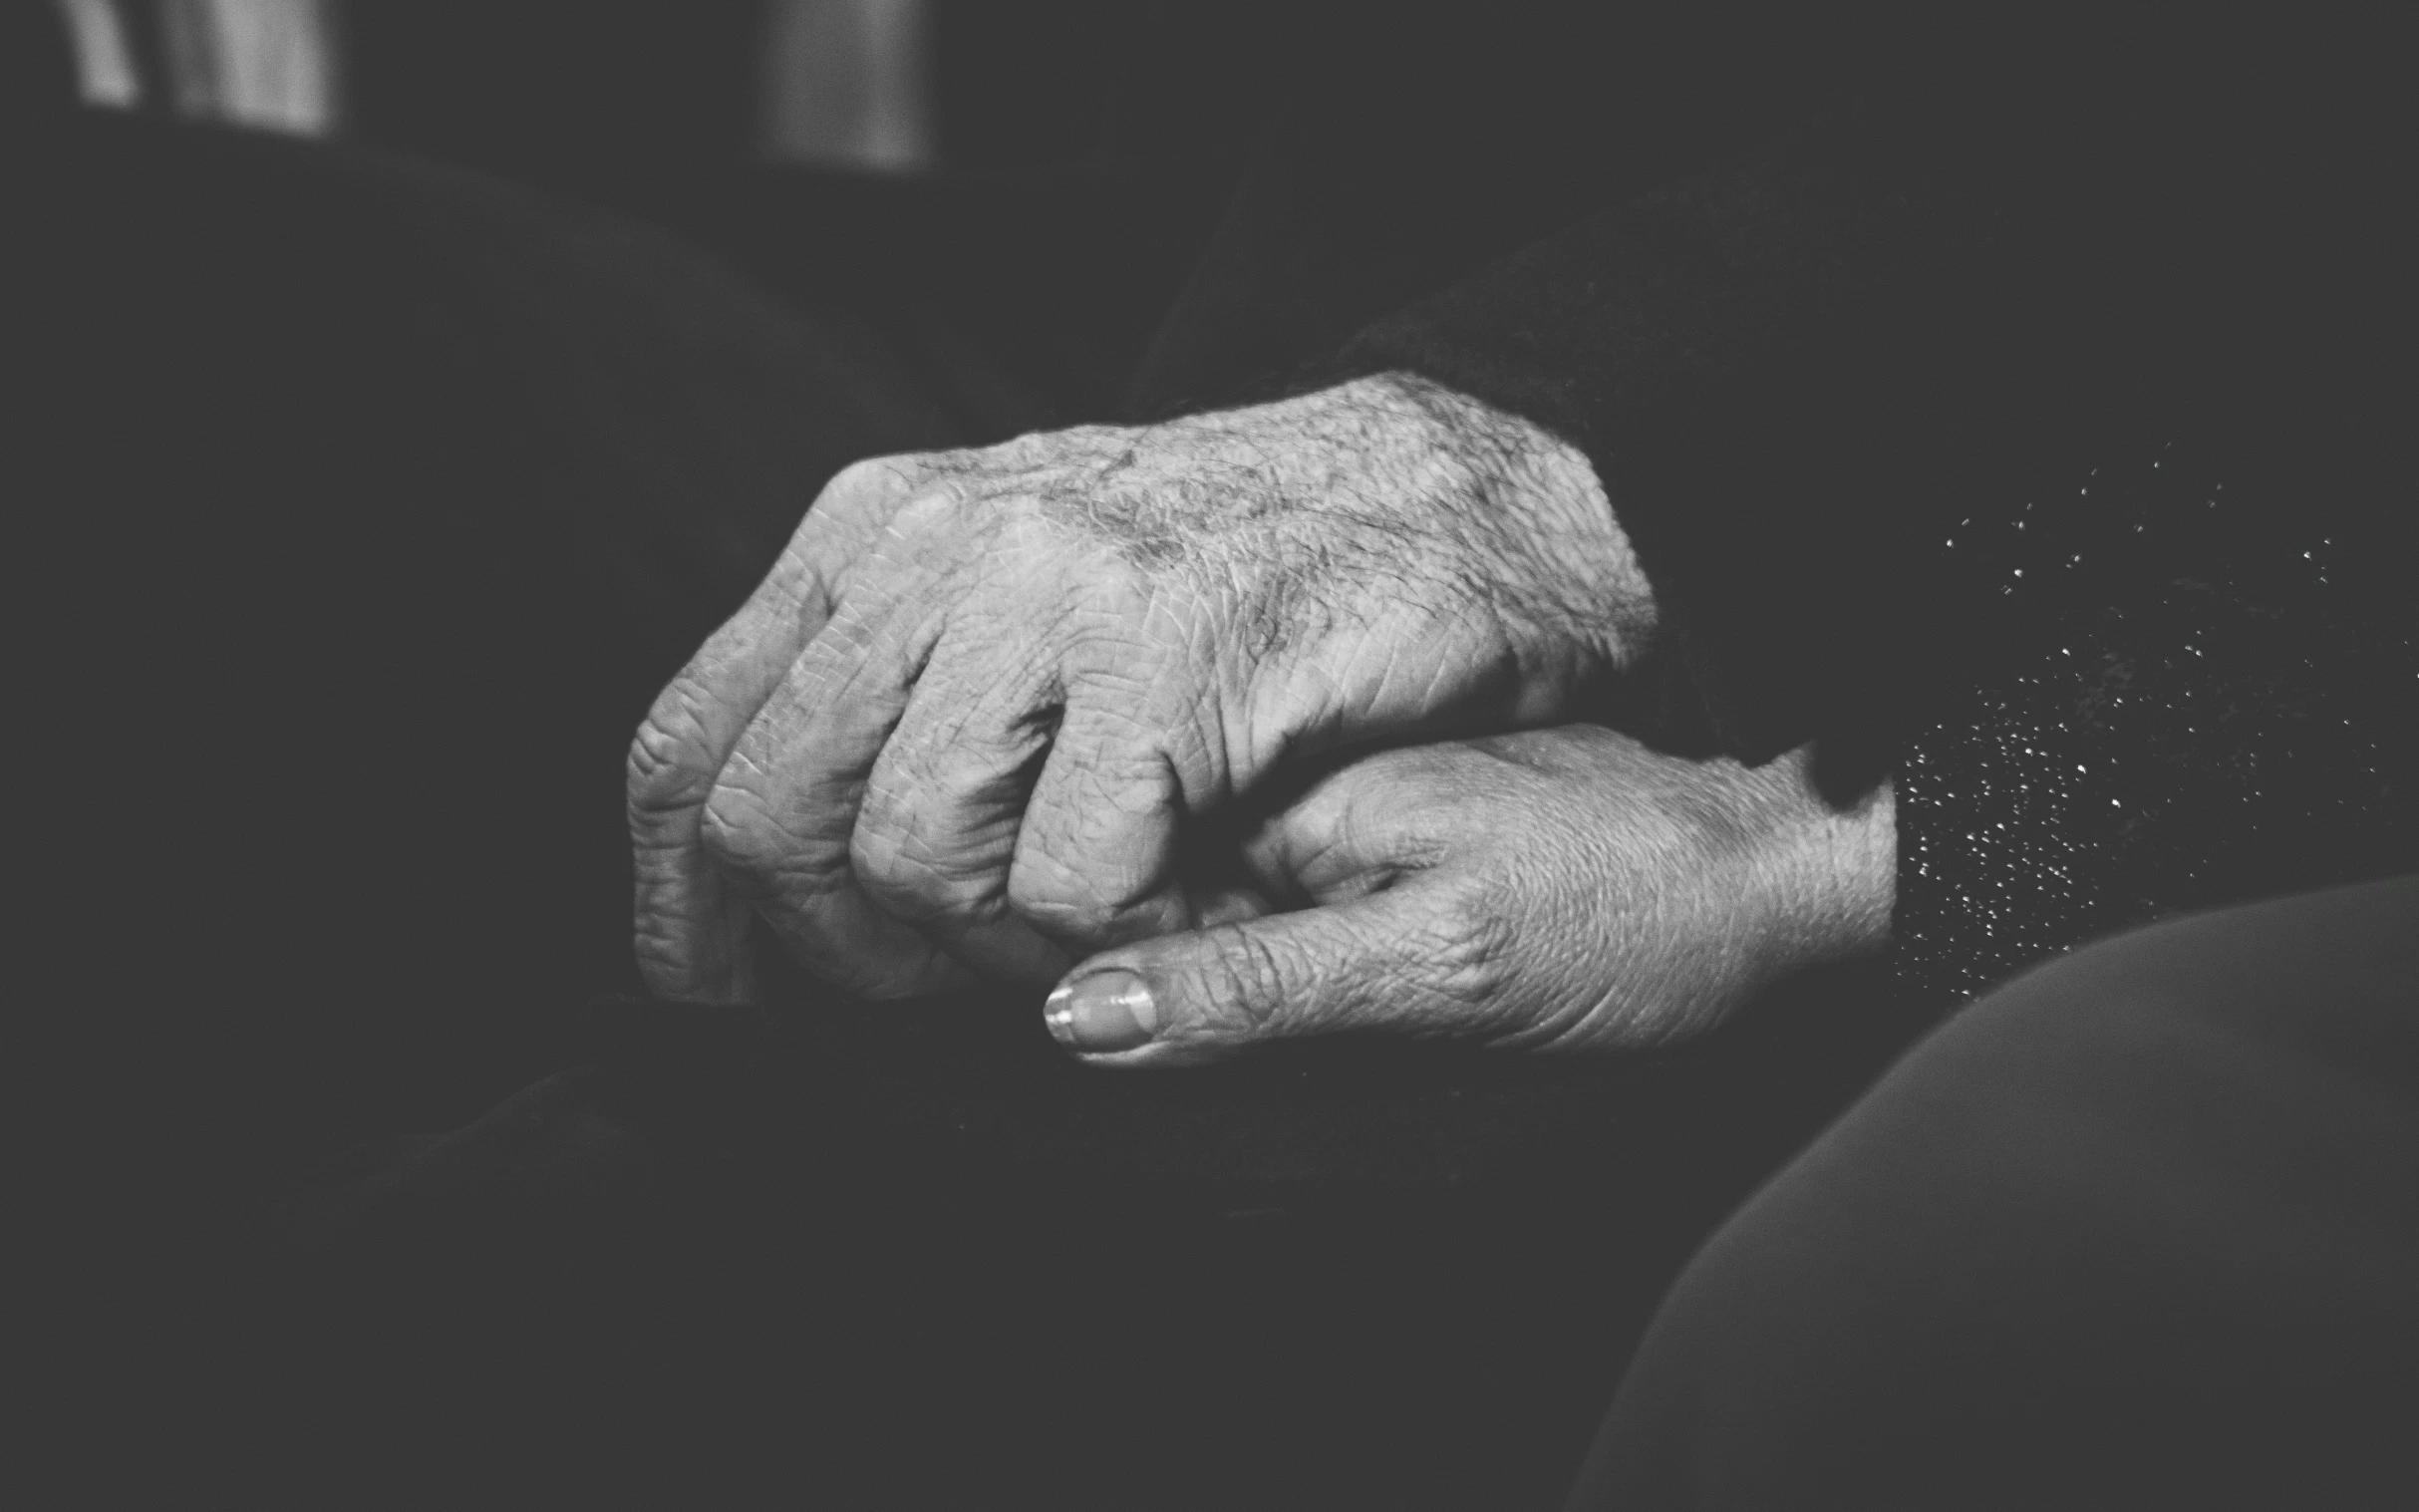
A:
(1555, 889)
(961, 725)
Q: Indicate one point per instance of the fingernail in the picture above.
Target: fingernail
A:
(1107, 1010)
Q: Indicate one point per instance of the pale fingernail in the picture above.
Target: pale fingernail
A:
(1108, 1010)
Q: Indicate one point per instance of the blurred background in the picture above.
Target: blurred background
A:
(577, 92)
(1008, 193)
(1013, 195)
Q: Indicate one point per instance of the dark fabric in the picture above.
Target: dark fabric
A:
(358, 510)
(355, 514)
(1971, 253)
(422, 489)
(2137, 1229)
(36, 59)
(911, 1257)
(2198, 691)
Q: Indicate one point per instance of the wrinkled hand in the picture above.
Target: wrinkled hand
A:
(962, 722)
(1558, 889)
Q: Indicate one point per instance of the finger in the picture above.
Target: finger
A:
(1095, 861)
(777, 821)
(936, 830)
(691, 933)
(1417, 957)
(1356, 824)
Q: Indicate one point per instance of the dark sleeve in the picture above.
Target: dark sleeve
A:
(1983, 260)
(2202, 692)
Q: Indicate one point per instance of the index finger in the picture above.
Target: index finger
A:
(691, 933)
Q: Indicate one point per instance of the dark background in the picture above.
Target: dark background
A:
(1325, 1279)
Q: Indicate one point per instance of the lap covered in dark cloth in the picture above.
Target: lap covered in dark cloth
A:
(364, 506)
(361, 508)
(2138, 1229)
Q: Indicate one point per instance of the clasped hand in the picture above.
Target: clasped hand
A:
(965, 726)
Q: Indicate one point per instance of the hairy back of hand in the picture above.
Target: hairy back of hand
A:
(959, 727)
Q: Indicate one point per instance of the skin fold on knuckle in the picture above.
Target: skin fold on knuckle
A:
(890, 810)
(665, 952)
(1458, 966)
(848, 515)
(871, 477)
(744, 838)
(1103, 809)
(932, 525)
(1072, 917)
(1239, 983)
(916, 885)
(1097, 901)
(942, 782)
(671, 765)
(1381, 820)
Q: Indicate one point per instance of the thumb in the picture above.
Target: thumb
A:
(1389, 958)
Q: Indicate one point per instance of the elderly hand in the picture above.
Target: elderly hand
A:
(1560, 889)
(962, 722)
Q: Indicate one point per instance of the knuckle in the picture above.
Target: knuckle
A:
(1469, 949)
(916, 885)
(763, 858)
(905, 819)
(1039, 449)
(867, 474)
(670, 755)
(1067, 918)
(664, 955)
(886, 805)
(873, 477)
(736, 831)
(1244, 976)
(801, 885)
(1088, 887)
(929, 509)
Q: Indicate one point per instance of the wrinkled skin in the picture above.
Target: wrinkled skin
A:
(960, 728)
(1560, 889)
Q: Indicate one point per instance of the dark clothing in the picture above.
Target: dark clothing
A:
(373, 504)
(1811, 284)
(2138, 1229)
(1991, 254)
(550, 451)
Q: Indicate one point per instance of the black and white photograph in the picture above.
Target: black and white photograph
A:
(1211, 756)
